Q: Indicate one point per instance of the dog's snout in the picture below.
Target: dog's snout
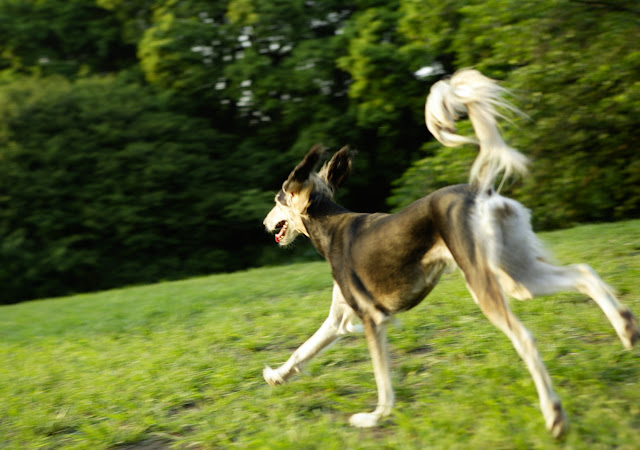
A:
(269, 222)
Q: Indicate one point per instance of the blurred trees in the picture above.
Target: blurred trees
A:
(574, 69)
(143, 140)
(67, 37)
(102, 185)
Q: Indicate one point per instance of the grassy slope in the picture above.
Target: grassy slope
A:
(180, 364)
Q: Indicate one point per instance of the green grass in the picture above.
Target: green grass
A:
(179, 364)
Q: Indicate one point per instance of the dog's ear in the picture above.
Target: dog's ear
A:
(338, 169)
(303, 170)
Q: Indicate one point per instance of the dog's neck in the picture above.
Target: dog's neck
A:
(323, 219)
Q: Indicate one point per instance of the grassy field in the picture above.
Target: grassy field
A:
(179, 365)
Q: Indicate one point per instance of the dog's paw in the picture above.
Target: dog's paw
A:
(364, 420)
(630, 334)
(557, 423)
(272, 376)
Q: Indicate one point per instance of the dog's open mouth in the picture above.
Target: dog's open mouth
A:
(283, 225)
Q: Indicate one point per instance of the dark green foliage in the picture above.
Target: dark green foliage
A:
(145, 139)
(103, 185)
(68, 37)
(573, 68)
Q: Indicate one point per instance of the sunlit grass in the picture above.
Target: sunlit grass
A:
(179, 364)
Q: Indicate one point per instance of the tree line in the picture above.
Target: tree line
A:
(144, 140)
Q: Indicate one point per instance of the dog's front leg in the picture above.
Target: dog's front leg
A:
(339, 323)
(376, 335)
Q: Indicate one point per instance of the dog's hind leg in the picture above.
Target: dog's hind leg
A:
(488, 295)
(545, 278)
(524, 270)
(339, 323)
(376, 335)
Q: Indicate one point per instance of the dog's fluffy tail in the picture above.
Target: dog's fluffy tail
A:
(469, 92)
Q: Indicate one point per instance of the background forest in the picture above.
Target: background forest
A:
(143, 140)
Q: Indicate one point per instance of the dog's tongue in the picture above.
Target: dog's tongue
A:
(280, 234)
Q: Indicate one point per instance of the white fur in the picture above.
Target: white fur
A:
(285, 213)
(469, 92)
(341, 321)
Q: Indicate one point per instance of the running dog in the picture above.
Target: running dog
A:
(383, 264)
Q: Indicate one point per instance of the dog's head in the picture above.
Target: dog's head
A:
(303, 184)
